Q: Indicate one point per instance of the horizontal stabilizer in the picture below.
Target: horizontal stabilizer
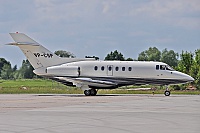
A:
(21, 37)
(22, 43)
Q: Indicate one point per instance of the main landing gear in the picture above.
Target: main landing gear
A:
(167, 92)
(91, 92)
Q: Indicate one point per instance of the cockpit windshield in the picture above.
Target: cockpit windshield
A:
(169, 68)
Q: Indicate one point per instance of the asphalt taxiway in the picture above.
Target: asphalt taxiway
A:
(100, 114)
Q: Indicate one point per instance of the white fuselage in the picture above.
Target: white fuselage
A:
(119, 72)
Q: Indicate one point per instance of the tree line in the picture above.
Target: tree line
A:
(186, 62)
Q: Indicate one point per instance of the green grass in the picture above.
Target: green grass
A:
(25, 82)
(40, 86)
(35, 86)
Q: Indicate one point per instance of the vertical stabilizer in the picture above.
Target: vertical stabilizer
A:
(38, 55)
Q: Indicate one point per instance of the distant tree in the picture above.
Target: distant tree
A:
(63, 53)
(115, 56)
(186, 62)
(6, 72)
(143, 56)
(129, 59)
(96, 58)
(189, 63)
(152, 54)
(15, 68)
(197, 56)
(2, 63)
(169, 57)
(26, 70)
(195, 68)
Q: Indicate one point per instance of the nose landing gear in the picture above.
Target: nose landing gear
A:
(167, 92)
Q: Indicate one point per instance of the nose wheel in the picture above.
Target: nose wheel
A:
(167, 92)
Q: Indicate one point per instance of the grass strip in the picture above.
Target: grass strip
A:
(41, 86)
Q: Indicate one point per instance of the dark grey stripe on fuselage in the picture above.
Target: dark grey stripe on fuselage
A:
(127, 81)
(140, 81)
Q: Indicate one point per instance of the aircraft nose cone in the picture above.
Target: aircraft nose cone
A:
(186, 77)
(191, 79)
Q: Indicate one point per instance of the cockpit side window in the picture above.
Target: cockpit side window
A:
(157, 67)
(162, 67)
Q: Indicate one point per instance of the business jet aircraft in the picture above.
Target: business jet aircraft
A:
(91, 75)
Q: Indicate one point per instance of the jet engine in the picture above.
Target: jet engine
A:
(63, 71)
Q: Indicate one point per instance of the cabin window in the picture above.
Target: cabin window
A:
(157, 67)
(96, 68)
(102, 68)
(123, 68)
(129, 68)
(162, 67)
(117, 68)
(109, 68)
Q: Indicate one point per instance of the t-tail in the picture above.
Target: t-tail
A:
(38, 56)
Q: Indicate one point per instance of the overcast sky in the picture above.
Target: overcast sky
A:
(97, 27)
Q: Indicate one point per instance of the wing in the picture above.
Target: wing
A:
(86, 82)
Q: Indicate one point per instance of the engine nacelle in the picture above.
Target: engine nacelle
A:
(63, 71)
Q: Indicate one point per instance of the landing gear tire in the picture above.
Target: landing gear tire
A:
(87, 92)
(167, 93)
(93, 92)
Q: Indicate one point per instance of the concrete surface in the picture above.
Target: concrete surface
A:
(99, 114)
